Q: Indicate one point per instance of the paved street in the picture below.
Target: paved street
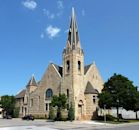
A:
(18, 124)
(131, 127)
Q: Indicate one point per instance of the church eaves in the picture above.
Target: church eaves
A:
(21, 94)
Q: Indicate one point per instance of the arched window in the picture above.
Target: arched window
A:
(79, 65)
(94, 99)
(49, 93)
(68, 66)
(68, 93)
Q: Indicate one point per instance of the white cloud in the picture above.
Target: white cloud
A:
(52, 31)
(59, 12)
(83, 12)
(30, 4)
(60, 4)
(42, 35)
(48, 14)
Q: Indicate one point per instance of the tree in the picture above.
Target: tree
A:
(136, 105)
(8, 104)
(105, 99)
(118, 91)
(59, 102)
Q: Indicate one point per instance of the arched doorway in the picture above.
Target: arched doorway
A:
(80, 109)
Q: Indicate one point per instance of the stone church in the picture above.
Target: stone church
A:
(79, 82)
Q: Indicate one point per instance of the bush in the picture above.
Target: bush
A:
(40, 116)
(71, 113)
(52, 114)
(16, 112)
(108, 118)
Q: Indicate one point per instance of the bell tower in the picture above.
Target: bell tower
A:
(73, 65)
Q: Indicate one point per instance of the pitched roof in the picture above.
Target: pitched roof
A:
(32, 82)
(86, 68)
(21, 94)
(59, 69)
(90, 89)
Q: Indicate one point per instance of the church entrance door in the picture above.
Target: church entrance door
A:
(80, 109)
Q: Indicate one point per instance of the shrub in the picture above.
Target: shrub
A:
(16, 112)
(108, 118)
(71, 113)
(52, 114)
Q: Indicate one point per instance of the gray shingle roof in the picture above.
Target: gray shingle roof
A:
(21, 94)
(59, 69)
(89, 89)
(86, 68)
(32, 82)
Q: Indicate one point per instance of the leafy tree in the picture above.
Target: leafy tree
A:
(71, 113)
(118, 91)
(136, 105)
(59, 102)
(8, 104)
(105, 99)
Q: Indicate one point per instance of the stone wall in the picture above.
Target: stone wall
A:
(51, 79)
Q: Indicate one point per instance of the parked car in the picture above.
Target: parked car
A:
(28, 117)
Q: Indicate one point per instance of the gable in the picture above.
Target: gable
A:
(51, 75)
(94, 77)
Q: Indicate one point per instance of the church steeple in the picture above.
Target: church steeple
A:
(73, 55)
(73, 41)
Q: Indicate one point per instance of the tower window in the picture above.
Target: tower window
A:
(68, 66)
(68, 93)
(79, 65)
(94, 99)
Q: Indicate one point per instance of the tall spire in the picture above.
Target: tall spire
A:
(73, 37)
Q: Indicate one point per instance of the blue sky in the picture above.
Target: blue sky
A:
(33, 33)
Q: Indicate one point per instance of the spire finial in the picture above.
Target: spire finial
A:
(73, 12)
